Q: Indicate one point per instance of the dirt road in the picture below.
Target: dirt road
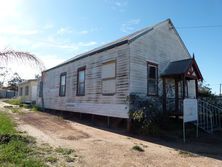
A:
(97, 147)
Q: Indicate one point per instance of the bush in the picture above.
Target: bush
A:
(146, 115)
(36, 108)
(138, 148)
(14, 101)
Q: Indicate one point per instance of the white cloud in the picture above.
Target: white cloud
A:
(28, 71)
(17, 31)
(83, 32)
(8, 9)
(48, 26)
(64, 30)
(119, 5)
(67, 30)
(91, 43)
(129, 26)
(53, 43)
(51, 60)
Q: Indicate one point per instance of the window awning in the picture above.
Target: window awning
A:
(183, 68)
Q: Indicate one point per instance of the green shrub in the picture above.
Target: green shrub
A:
(146, 115)
(64, 151)
(51, 159)
(36, 108)
(69, 159)
(138, 148)
(14, 101)
(15, 110)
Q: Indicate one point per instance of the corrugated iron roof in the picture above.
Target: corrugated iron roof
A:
(110, 45)
(181, 67)
(177, 67)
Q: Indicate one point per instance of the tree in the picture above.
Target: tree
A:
(19, 57)
(7, 56)
(205, 90)
(14, 81)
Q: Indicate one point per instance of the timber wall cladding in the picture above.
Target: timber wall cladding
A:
(93, 80)
(159, 46)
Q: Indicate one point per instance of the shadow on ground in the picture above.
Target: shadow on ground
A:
(208, 145)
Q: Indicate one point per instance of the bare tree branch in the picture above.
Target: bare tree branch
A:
(21, 57)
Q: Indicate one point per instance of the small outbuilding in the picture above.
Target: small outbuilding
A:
(27, 91)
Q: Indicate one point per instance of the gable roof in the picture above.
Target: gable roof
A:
(181, 67)
(27, 81)
(124, 40)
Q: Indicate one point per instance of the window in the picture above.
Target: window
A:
(62, 87)
(20, 91)
(109, 78)
(81, 81)
(152, 79)
(26, 90)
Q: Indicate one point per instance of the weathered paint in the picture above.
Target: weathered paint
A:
(32, 95)
(94, 101)
(160, 45)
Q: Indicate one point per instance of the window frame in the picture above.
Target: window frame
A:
(109, 78)
(21, 91)
(60, 82)
(26, 90)
(151, 64)
(77, 90)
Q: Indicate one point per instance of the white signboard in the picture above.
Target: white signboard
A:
(190, 111)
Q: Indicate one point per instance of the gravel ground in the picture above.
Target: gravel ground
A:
(97, 147)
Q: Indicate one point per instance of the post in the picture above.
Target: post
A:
(196, 85)
(176, 99)
(184, 132)
(80, 115)
(108, 122)
(184, 88)
(129, 124)
(164, 95)
(92, 118)
(197, 132)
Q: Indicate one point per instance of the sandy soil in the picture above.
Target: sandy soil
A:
(97, 147)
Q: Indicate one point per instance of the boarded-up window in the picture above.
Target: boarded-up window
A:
(81, 81)
(152, 79)
(109, 78)
(62, 87)
(21, 91)
(26, 90)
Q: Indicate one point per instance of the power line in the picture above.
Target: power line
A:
(199, 27)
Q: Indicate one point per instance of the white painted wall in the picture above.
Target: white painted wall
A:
(160, 46)
(32, 96)
(94, 101)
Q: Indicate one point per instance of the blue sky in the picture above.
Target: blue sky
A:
(56, 30)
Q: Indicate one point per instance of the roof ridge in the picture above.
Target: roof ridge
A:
(181, 60)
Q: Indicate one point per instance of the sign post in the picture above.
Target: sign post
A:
(190, 114)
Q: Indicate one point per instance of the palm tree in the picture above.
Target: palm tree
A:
(7, 56)
(10, 55)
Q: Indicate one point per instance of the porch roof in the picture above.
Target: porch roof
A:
(181, 68)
